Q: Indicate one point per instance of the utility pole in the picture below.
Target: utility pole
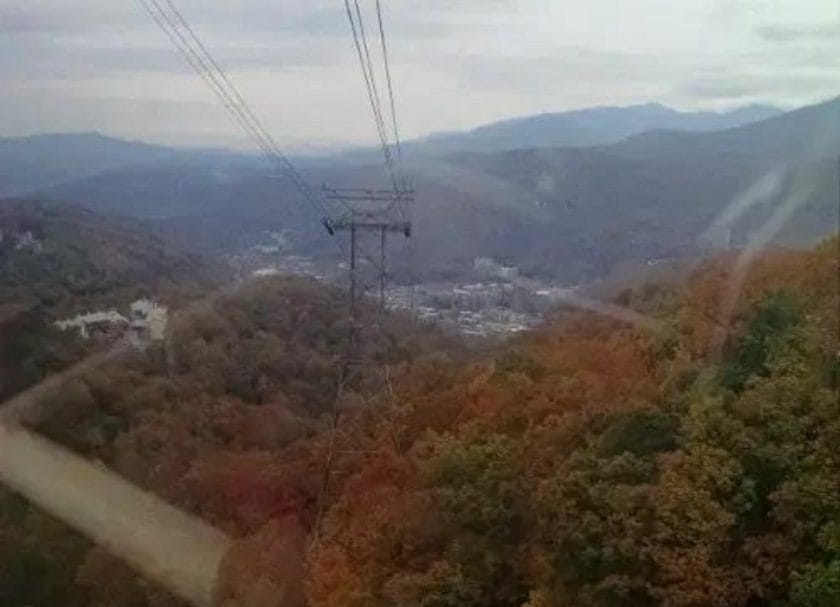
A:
(369, 211)
(365, 212)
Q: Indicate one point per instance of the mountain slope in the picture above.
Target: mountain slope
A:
(208, 209)
(656, 194)
(59, 261)
(63, 259)
(808, 132)
(587, 463)
(595, 465)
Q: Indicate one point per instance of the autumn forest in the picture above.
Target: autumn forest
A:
(685, 462)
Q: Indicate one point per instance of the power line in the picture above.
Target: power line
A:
(363, 52)
(388, 80)
(399, 203)
(401, 196)
(406, 214)
(372, 73)
(243, 104)
(199, 64)
(202, 62)
(372, 98)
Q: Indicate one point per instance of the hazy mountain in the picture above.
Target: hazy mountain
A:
(34, 163)
(587, 127)
(568, 212)
(211, 209)
(655, 194)
(42, 161)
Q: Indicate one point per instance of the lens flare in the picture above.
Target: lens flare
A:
(177, 550)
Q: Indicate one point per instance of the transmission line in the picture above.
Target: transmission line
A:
(368, 78)
(372, 73)
(368, 73)
(189, 45)
(388, 80)
(389, 161)
(399, 203)
(241, 102)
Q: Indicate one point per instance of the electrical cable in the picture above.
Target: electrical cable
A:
(202, 62)
(387, 65)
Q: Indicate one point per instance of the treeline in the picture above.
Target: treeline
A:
(587, 463)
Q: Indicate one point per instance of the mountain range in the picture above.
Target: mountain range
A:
(40, 161)
(546, 201)
(587, 127)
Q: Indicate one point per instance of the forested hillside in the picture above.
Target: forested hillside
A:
(587, 463)
(58, 261)
(594, 465)
(67, 258)
(228, 419)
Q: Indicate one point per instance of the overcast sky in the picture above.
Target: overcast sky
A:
(85, 65)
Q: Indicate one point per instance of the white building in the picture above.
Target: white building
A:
(94, 322)
(148, 320)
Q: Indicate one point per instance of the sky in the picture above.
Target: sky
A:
(103, 65)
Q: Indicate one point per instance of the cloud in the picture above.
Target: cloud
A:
(479, 60)
(768, 85)
(569, 66)
(39, 17)
(815, 32)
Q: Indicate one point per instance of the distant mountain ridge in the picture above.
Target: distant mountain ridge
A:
(33, 163)
(811, 131)
(566, 212)
(40, 161)
(587, 127)
(46, 160)
(656, 194)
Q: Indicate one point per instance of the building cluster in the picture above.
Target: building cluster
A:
(276, 243)
(484, 323)
(102, 323)
(483, 309)
(497, 302)
(272, 256)
(148, 320)
(269, 260)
